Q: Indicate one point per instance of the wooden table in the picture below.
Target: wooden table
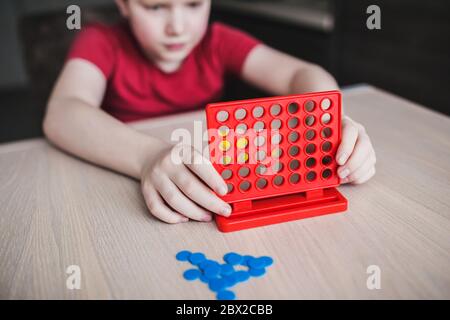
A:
(57, 211)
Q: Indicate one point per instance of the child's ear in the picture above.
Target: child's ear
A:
(123, 7)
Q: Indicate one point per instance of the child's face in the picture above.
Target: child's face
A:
(167, 30)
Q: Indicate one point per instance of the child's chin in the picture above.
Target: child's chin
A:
(169, 65)
(175, 56)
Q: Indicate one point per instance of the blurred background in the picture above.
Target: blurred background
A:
(409, 56)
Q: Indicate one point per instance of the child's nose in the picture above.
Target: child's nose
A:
(175, 25)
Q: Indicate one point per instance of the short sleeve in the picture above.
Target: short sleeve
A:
(95, 44)
(232, 47)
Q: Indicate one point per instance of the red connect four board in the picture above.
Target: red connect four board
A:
(277, 156)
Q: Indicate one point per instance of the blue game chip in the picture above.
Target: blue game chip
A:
(212, 271)
(207, 263)
(230, 280)
(183, 255)
(245, 260)
(197, 258)
(192, 274)
(226, 269)
(242, 276)
(217, 284)
(226, 295)
(232, 258)
(204, 279)
(268, 261)
(256, 272)
(256, 263)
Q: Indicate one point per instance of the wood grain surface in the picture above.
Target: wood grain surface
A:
(57, 211)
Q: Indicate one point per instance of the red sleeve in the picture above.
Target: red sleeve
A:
(232, 47)
(96, 44)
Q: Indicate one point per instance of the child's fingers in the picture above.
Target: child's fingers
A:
(157, 207)
(199, 193)
(348, 141)
(361, 151)
(204, 169)
(363, 169)
(179, 202)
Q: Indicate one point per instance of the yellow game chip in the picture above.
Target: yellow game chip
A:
(241, 143)
(224, 145)
(225, 160)
(243, 157)
(276, 153)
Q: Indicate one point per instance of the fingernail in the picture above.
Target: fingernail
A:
(226, 211)
(207, 218)
(342, 158)
(184, 220)
(343, 173)
(223, 190)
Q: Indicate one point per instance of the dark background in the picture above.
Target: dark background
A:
(409, 56)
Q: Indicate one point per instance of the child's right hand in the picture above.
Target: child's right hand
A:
(176, 189)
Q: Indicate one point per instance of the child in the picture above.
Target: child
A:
(165, 58)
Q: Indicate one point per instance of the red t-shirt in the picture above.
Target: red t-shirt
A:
(137, 89)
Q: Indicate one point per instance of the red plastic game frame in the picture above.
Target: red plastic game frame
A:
(289, 201)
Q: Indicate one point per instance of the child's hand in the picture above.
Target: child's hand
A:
(355, 155)
(173, 188)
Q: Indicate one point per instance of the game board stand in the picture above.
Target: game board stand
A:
(254, 213)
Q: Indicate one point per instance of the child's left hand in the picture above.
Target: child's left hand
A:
(355, 155)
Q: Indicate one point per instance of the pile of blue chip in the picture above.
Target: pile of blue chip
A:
(221, 277)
